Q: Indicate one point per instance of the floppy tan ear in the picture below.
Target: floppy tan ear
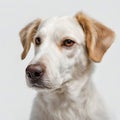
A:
(27, 34)
(98, 37)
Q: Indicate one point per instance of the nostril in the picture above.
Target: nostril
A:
(28, 74)
(37, 74)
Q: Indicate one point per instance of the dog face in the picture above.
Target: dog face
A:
(64, 48)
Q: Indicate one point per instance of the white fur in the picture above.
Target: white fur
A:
(72, 95)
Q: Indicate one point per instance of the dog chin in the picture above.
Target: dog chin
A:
(52, 89)
(40, 86)
(43, 86)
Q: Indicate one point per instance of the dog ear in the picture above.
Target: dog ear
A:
(27, 34)
(98, 37)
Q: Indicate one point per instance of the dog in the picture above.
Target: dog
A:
(66, 49)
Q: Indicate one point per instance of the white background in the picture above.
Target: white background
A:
(15, 97)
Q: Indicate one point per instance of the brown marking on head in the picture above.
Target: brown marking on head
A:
(27, 34)
(98, 37)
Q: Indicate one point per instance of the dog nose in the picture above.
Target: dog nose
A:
(35, 71)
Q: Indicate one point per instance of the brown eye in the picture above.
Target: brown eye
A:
(68, 43)
(37, 41)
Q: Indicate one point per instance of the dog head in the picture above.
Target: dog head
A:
(64, 48)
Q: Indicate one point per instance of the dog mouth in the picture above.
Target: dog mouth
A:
(40, 86)
(37, 83)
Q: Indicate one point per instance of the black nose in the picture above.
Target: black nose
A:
(35, 72)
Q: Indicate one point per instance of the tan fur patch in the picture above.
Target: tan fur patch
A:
(27, 34)
(98, 37)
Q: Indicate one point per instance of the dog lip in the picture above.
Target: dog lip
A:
(40, 86)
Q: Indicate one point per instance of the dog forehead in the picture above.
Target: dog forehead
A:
(65, 26)
(59, 21)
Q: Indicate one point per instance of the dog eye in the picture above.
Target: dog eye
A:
(37, 41)
(68, 43)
